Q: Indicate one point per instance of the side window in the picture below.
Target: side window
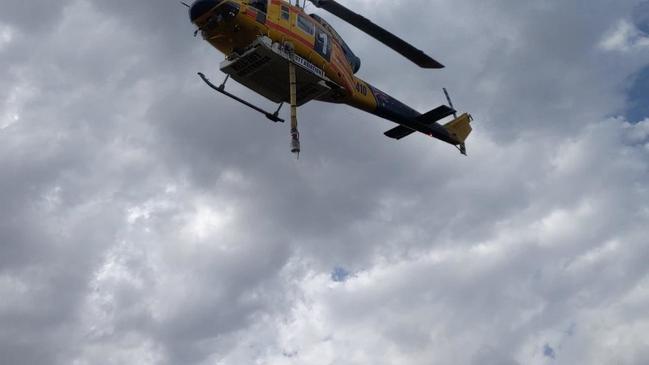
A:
(259, 4)
(285, 12)
(305, 24)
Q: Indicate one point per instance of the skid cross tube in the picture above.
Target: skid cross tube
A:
(272, 116)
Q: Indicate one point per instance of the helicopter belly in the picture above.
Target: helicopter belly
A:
(263, 67)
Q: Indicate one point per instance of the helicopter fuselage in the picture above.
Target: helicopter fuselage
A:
(233, 26)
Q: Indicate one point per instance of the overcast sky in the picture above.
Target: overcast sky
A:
(145, 219)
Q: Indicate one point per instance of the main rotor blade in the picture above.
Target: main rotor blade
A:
(399, 45)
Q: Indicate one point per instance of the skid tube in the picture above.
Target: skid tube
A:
(272, 116)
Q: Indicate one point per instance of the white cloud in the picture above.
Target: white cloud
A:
(624, 37)
(6, 35)
(14, 103)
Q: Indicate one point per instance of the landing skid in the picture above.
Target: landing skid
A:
(221, 88)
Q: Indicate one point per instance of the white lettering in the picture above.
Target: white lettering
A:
(308, 65)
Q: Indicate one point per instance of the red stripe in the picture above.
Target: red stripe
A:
(251, 13)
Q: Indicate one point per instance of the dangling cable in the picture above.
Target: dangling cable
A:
(295, 134)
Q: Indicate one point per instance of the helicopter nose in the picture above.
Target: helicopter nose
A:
(201, 7)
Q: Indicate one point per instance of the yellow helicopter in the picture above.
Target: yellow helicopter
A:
(276, 49)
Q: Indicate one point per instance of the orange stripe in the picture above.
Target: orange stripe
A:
(341, 62)
(346, 73)
(286, 31)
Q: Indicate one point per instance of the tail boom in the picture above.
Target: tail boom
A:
(409, 120)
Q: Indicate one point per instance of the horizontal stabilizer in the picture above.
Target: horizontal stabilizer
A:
(436, 114)
(428, 118)
(399, 132)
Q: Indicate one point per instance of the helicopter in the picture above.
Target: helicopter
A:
(276, 49)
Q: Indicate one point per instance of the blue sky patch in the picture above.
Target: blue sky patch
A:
(339, 274)
(638, 94)
(638, 97)
(641, 16)
(548, 351)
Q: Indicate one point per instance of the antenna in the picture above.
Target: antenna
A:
(184, 3)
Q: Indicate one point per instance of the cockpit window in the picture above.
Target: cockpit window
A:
(305, 24)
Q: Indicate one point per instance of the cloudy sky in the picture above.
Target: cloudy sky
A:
(146, 220)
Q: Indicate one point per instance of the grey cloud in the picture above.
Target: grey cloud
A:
(146, 219)
(34, 16)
